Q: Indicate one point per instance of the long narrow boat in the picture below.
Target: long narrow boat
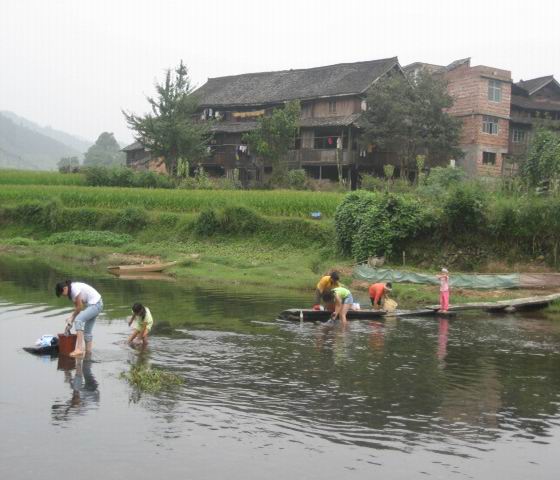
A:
(310, 315)
(141, 268)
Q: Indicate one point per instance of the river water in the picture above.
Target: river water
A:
(474, 396)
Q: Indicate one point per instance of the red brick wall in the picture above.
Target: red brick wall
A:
(469, 88)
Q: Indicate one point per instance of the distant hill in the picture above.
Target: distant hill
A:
(77, 143)
(23, 145)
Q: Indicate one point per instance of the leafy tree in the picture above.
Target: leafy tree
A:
(68, 164)
(275, 134)
(104, 152)
(543, 160)
(409, 118)
(171, 130)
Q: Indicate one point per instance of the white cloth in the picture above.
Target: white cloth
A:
(45, 341)
(88, 294)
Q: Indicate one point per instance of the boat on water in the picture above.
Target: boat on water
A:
(140, 268)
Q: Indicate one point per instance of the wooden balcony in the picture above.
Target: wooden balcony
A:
(320, 157)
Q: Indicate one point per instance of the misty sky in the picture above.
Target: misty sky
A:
(74, 64)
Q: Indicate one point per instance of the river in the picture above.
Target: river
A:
(473, 396)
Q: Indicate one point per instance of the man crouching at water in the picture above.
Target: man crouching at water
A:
(327, 283)
(343, 301)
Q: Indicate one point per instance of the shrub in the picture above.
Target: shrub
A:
(90, 238)
(465, 209)
(297, 179)
(237, 220)
(348, 217)
(372, 183)
(132, 218)
(207, 223)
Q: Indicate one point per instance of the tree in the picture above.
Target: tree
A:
(68, 164)
(171, 130)
(104, 152)
(543, 160)
(275, 134)
(408, 118)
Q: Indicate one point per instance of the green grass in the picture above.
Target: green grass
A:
(90, 237)
(150, 379)
(282, 203)
(24, 177)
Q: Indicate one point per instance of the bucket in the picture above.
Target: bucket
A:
(66, 343)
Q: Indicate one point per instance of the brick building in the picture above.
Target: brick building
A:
(481, 98)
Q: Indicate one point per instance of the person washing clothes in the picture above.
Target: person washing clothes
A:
(88, 304)
(143, 325)
(326, 283)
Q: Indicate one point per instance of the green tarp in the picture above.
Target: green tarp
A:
(364, 272)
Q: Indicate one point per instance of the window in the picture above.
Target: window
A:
(494, 90)
(332, 106)
(518, 136)
(490, 125)
(488, 158)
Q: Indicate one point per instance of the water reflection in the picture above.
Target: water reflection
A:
(83, 385)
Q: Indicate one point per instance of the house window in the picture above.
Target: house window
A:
(332, 106)
(518, 136)
(490, 125)
(494, 90)
(488, 158)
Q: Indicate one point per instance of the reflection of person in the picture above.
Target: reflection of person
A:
(442, 338)
(378, 293)
(87, 306)
(342, 299)
(143, 325)
(443, 290)
(84, 390)
(326, 283)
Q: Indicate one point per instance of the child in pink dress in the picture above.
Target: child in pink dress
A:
(444, 290)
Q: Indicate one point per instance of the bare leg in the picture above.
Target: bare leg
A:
(145, 338)
(133, 336)
(343, 311)
(79, 350)
(89, 346)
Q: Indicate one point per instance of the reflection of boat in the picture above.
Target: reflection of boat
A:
(141, 268)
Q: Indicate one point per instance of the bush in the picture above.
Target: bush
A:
(348, 217)
(207, 223)
(90, 238)
(465, 210)
(391, 220)
(372, 183)
(297, 179)
(48, 216)
(240, 220)
(125, 177)
(132, 218)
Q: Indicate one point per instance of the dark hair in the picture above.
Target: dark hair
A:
(328, 296)
(335, 276)
(59, 288)
(139, 309)
(389, 285)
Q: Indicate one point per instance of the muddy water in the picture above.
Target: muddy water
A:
(470, 397)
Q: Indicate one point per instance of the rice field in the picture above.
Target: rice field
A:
(26, 177)
(283, 203)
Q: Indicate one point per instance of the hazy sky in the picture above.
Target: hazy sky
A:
(74, 64)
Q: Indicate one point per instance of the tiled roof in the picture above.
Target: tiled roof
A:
(535, 84)
(276, 87)
(133, 146)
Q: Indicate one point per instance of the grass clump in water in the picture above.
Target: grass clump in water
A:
(151, 380)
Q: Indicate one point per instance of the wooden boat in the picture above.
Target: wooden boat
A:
(310, 315)
(141, 268)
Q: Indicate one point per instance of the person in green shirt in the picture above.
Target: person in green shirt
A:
(143, 325)
(343, 301)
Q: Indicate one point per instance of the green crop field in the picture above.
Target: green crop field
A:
(23, 177)
(285, 203)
